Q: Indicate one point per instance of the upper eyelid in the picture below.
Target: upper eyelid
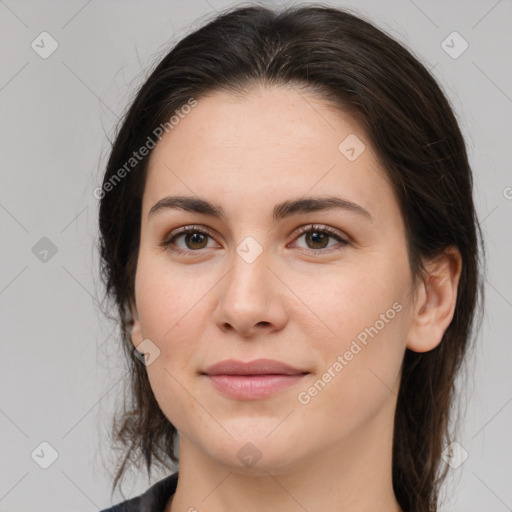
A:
(333, 232)
(183, 231)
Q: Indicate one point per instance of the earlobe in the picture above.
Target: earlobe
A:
(436, 298)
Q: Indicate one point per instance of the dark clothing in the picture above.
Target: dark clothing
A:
(153, 500)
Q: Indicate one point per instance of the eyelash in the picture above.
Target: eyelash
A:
(169, 242)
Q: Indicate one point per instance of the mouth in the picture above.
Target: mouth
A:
(252, 380)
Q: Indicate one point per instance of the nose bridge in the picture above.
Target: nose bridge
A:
(249, 296)
(248, 278)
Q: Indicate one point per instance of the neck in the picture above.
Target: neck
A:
(354, 475)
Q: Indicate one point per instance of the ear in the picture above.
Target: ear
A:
(436, 296)
(136, 332)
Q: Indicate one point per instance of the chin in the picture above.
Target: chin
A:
(255, 453)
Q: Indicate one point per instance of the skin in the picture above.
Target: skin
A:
(247, 154)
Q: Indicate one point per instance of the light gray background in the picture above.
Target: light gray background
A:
(60, 370)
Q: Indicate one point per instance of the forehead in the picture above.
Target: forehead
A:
(271, 144)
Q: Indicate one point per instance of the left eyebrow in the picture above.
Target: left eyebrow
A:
(314, 204)
(281, 210)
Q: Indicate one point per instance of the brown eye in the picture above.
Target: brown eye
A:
(192, 239)
(196, 240)
(187, 240)
(317, 238)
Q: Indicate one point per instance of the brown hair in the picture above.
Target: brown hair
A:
(357, 67)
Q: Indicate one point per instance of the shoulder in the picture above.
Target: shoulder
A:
(132, 505)
(153, 500)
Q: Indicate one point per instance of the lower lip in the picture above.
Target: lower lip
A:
(253, 387)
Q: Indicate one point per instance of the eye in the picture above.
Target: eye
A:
(194, 239)
(317, 237)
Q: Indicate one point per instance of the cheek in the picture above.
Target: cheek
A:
(360, 373)
(168, 310)
(168, 298)
(349, 298)
(167, 314)
(361, 339)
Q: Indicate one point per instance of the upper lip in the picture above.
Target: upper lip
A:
(255, 367)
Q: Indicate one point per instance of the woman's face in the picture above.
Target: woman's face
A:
(333, 302)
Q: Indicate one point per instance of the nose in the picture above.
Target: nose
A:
(251, 299)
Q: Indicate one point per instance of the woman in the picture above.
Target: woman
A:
(289, 235)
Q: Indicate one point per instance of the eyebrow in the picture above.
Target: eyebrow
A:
(281, 210)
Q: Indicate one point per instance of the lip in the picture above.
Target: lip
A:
(255, 367)
(252, 380)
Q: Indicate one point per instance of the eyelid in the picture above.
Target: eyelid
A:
(192, 228)
(320, 227)
(343, 239)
